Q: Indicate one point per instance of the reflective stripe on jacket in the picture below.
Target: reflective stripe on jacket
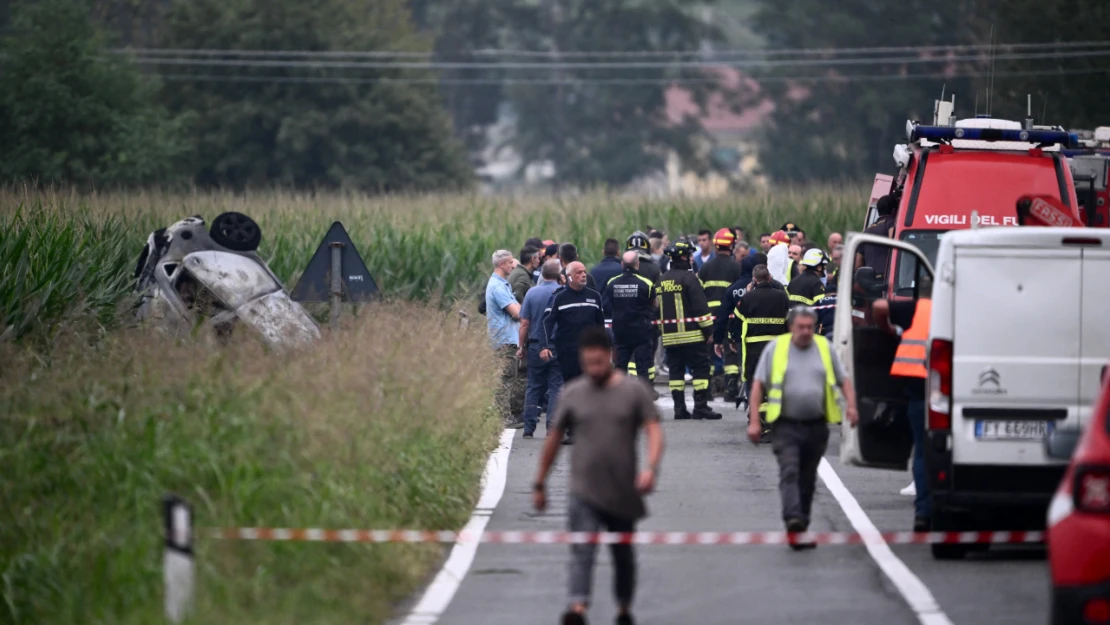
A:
(909, 360)
(778, 375)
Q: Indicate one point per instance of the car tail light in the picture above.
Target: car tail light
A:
(940, 385)
(1096, 610)
(1092, 489)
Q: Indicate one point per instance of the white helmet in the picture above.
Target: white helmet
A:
(814, 258)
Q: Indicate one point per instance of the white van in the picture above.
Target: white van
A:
(1019, 336)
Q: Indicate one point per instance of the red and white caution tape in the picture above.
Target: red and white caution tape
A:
(607, 538)
(609, 322)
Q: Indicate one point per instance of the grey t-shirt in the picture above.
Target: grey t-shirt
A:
(803, 388)
(606, 422)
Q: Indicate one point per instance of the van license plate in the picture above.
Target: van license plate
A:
(1012, 430)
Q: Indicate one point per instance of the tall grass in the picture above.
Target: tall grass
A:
(343, 434)
(76, 251)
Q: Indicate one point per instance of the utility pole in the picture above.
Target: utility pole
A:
(558, 154)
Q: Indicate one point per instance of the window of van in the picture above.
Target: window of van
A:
(928, 241)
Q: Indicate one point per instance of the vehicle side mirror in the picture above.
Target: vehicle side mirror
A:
(1061, 444)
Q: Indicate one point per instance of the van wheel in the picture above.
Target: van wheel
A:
(949, 552)
(236, 232)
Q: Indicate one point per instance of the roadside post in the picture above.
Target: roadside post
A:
(336, 281)
(178, 566)
(336, 274)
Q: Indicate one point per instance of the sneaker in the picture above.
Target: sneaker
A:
(920, 524)
(516, 425)
(573, 618)
(798, 526)
(689, 378)
(527, 435)
(909, 491)
(625, 619)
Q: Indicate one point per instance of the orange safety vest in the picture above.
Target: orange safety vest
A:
(909, 360)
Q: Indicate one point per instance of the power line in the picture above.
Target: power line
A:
(440, 65)
(703, 54)
(338, 80)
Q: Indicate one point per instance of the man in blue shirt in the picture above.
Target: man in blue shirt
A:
(503, 324)
(544, 377)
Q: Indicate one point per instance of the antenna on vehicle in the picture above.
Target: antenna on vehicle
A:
(1029, 111)
(1044, 109)
(976, 111)
(952, 115)
(990, 73)
(944, 112)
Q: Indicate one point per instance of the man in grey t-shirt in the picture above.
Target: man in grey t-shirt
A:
(800, 433)
(607, 410)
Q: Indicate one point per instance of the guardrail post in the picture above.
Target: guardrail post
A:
(178, 567)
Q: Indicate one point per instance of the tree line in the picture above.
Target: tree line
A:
(585, 82)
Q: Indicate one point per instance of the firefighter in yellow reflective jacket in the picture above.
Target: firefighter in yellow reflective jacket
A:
(808, 289)
(687, 329)
(800, 375)
(760, 317)
(717, 275)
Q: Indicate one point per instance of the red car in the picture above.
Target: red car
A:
(1079, 522)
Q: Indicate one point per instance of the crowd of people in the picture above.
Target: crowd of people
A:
(700, 309)
(589, 343)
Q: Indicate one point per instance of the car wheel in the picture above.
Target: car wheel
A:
(949, 552)
(236, 232)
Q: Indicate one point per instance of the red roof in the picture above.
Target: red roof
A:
(719, 115)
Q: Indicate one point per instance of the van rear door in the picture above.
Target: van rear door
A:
(1095, 323)
(1016, 350)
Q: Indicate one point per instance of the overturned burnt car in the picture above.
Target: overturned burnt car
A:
(190, 275)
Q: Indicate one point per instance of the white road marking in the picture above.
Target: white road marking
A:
(912, 589)
(439, 594)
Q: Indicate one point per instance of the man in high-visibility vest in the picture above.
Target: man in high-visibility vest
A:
(910, 320)
(799, 374)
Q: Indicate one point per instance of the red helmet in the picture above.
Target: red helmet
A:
(780, 237)
(724, 238)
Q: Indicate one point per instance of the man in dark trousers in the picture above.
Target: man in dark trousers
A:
(799, 374)
(606, 484)
(630, 301)
(717, 275)
(687, 330)
(609, 267)
(571, 311)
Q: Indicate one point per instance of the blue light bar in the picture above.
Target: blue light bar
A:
(946, 134)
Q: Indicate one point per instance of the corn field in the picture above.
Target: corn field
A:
(67, 258)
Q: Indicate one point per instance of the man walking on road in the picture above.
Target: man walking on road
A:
(570, 312)
(544, 377)
(608, 409)
(800, 375)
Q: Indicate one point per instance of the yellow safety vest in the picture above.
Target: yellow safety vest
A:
(778, 374)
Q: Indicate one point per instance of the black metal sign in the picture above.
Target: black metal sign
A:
(315, 284)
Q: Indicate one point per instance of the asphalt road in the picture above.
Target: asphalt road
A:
(713, 479)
